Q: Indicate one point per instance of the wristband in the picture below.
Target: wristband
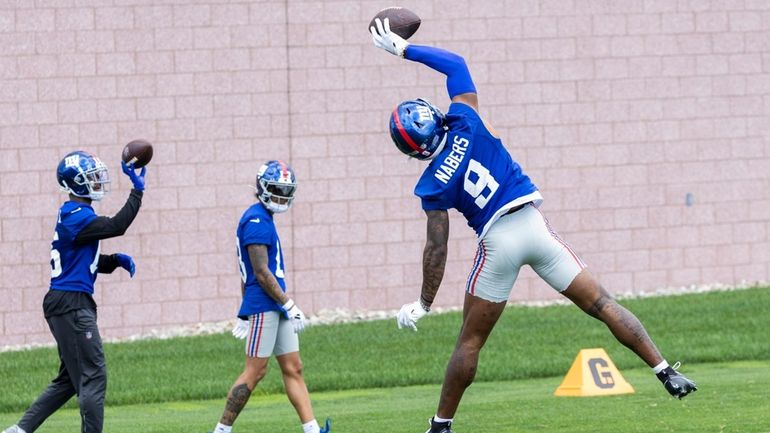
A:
(424, 304)
(288, 305)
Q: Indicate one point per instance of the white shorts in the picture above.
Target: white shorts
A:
(270, 333)
(523, 237)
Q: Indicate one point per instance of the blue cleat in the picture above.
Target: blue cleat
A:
(328, 427)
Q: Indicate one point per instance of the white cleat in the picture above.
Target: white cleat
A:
(14, 429)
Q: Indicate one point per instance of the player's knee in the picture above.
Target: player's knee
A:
(91, 400)
(601, 305)
(253, 374)
(471, 346)
(292, 369)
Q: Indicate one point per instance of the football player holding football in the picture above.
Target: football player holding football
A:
(470, 170)
(69, 306)
(268, 319)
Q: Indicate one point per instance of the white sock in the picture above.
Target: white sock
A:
(660, 367)
(221, 428)
(439, 419)
(311, 427)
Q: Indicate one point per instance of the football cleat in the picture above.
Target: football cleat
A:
(439, 427)
(675, 383)
(418, 129)
(14, 429)
(83, 175)
(328, 427)
(276, 185)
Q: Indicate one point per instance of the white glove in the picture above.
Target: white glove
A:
(295, 315)
(241, 329)
(409, 314)
(387, 40)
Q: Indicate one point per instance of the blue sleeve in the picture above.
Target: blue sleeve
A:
(431, 193)
(430, 203)
(460, 109)
(458, 77)
(257, 233)
(74, 222)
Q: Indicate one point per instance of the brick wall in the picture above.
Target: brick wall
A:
(617, 109)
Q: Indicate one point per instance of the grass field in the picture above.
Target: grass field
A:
(733, 399)
(368, 372)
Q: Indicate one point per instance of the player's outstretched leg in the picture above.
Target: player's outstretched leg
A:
(479, 318)
(586, 292)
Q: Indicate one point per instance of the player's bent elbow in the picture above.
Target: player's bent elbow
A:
(263, 276)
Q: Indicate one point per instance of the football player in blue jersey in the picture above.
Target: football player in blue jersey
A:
(470, 170)
(268, 319)
(69, 306)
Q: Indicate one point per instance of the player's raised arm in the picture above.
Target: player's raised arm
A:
(103, 227)
(458, 82)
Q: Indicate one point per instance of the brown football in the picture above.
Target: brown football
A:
(403, 22)
(138, 152)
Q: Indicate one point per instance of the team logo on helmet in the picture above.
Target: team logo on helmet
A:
(418, 129)
(276, 185)
(83, 175)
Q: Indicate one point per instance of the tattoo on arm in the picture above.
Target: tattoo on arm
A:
(265, 278)
(434, 255)
(237, 399)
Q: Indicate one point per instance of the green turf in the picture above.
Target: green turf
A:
(527, 343)
(733, 398)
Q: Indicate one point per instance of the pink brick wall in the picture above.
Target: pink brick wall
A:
(617, 109)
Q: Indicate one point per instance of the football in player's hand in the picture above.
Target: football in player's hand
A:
(403, 22)
(138, 152)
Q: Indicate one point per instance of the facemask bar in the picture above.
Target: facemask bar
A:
(277, 190)
(96, 180)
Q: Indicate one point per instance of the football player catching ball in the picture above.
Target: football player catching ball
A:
(268, 319)
(69, 306)
(470, 170)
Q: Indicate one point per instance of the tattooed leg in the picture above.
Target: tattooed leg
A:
(241, 391)
(480, 318)
(586, 292)
(237, 399)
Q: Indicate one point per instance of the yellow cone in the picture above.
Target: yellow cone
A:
(593, 373)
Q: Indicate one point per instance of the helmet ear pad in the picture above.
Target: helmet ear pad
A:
(418, 129)
(276, 185)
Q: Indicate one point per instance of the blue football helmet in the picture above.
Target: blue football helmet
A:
(276, 185)
(83, 175)
(418, 129)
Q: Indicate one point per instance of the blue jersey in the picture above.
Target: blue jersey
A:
(474, 174)
(73, 267)
(257, 227)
